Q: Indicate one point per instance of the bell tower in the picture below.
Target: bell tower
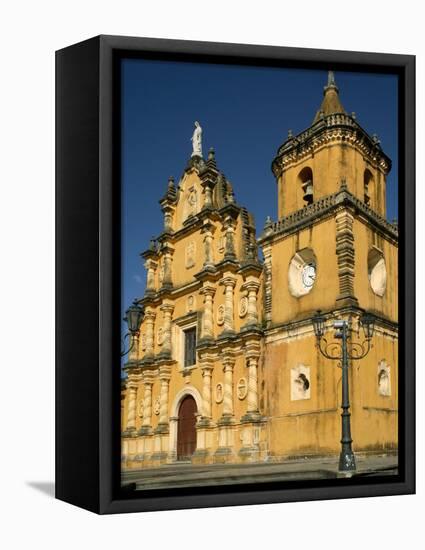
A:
(333, 149)
(331, 246)
(331, 249)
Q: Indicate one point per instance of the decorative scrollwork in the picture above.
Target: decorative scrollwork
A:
(327, 349)
(359, 350)
(333, 350)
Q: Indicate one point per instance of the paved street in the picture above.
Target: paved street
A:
(186, 474)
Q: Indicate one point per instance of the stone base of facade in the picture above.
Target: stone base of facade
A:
(202, 456)
(228, 441)
(224, 455)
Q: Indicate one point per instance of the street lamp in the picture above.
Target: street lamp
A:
(133, 317)
(339, 352)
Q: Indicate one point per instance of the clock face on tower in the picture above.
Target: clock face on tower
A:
(302, 272)
(308, 275)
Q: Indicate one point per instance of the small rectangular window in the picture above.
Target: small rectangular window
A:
(190, 347)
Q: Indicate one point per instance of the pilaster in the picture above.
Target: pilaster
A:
(229, 283)
(345, 257)
(208, 291)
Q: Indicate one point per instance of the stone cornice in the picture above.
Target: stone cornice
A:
(338, 127)
(322, 208)
(306, 320)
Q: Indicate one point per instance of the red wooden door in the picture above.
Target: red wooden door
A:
(186, 433)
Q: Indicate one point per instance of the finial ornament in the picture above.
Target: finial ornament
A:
(331, 85)
(170, 183)
(197, 140)
(211, 153)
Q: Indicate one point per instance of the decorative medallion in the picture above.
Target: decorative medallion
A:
(243, 306)
(220, 315)
(242, 388)
(157, 406)
(219, 393)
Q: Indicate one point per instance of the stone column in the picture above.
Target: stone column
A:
(252, 406)
(229, 284)
(134, 347)
(229, 250)
(167, 309)
(206, 390)
(208, 291)
(168, 260)
(147, 403)
(150, 267)
(150, 323)
(228, 365)
(164, 376)
(207, 231)
(131, 410)
(251, 288)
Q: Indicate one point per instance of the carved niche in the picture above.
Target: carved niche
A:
(384, 379)
(190, 255)
(300, 383)
(190, 303)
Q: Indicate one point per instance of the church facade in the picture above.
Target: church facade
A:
(226, 368)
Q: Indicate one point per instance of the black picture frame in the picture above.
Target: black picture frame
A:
(88, 275)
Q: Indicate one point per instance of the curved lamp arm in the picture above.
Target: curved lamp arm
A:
(123, 353)
(359, 350)
(327, 350)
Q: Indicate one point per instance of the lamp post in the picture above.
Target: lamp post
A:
(339, 352)
(133, 317)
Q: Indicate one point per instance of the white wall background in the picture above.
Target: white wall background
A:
(30, 32)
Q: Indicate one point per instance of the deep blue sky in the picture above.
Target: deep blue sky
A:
(245, 114)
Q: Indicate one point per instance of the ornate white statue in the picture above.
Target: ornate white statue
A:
(197, 140)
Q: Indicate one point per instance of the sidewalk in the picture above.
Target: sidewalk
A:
(188, 475)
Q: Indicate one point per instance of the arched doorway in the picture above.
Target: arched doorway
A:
(186, 431)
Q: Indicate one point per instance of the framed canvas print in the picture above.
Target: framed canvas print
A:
(235, 274)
